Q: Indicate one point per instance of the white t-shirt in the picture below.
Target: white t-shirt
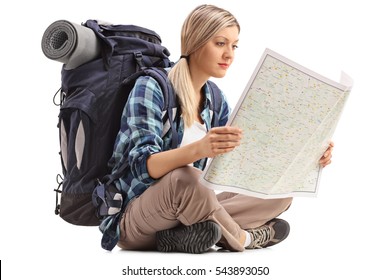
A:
(193, 133)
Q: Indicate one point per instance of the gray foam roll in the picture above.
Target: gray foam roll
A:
(70, 43)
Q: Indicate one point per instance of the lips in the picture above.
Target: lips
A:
(224, 65)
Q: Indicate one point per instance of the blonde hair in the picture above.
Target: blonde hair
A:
(199, 27)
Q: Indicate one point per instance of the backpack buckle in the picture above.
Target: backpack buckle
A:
(107, 199)
(139, 59)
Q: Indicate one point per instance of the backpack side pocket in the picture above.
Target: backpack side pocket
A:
(77, 121)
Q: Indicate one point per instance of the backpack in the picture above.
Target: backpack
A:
(90, 110)
(93, 96)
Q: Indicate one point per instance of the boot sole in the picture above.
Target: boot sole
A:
(195, 239)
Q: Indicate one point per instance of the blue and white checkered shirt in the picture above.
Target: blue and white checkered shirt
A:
(143, 132)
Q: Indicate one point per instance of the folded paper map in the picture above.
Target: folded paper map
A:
(288, 115)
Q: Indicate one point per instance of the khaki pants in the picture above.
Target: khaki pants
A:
(179, 198)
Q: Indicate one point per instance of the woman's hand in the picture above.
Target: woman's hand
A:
(326, 157)
(220, 140)
(217, 141)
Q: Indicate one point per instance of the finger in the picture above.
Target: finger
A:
(324, 160)
(225, 138)
(326, 154)
(328, 151)
(326, 163)
(223, 150)
(223, 147)
(226, 130)
(225, 144)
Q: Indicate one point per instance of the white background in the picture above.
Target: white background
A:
(343, 233)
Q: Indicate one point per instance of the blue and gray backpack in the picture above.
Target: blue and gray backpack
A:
(98, 74)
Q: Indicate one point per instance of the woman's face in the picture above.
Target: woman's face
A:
(216, 56)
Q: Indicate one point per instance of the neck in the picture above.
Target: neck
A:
(198, 79)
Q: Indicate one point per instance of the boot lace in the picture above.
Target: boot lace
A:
(260, 236)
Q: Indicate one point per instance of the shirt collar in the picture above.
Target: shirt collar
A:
(206, 115)
(207, 93)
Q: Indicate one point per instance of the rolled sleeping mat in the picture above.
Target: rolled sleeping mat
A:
(70, 43)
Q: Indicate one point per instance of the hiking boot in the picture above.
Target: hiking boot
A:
(195, 239)
(269, 234)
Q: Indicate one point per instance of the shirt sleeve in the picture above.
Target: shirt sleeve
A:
(144, 124)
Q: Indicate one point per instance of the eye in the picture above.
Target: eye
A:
(235, 47)
(221, 44)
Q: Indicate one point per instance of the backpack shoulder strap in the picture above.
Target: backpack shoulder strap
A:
(216, 102)
(170, 101)
(161, 76)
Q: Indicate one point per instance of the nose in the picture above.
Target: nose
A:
(229, 52)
